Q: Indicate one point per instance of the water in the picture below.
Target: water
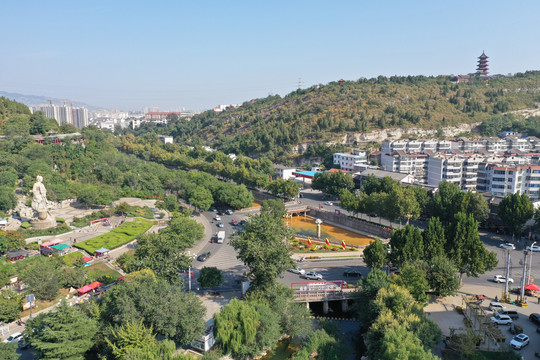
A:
(303, 225)
(281, 352)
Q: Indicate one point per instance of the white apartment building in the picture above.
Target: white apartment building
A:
(347, 161)
(415, 164)
(284, 172)
(76, 116)
(135, 123)
(503, 179)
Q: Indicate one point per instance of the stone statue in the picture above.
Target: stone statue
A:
(39, 202)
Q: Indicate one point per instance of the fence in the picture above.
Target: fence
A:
(357, 224)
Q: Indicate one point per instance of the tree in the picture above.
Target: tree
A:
(406, 245)
(261, 246)
(348, 201)
(11, 240)
(465, 249)
(371, 284)
(401, 204)
(42, 278)
(450, 200)
(131, 336)
(515, 210)
(475, 204)
(332, 183)
(375, 254)
(442, 276)
(236, 328)
(64, 333)
(210, 277)
(413, 278)
(72, 277)
(402, 344)
(8, 351)
(201, 198)
(434, 240)
(8, 200)
(171, 202)
(10, 306)
(169, 310)
(275, 207)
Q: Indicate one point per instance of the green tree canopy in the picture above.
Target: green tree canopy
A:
(375, 254)
(406, 245)
(210, 277)
(442, 276)
(42, 278)
(434, 240)
(64, 333)
(515, 210)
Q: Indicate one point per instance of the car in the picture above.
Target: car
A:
(352, 273)
(507, 246)
(496, 306)
(14, 338)
(502, 279)
(299, 271)
(373, 215)
(519, 341)
(243, 222)
(213, 209)
(311, 275)
(220, 224)
(217, 218)
(24, 343)
(501, 319)
(204, 256)
(328, 203)
(535, 318)
(534, 248)
(234, 222)
(229, 212)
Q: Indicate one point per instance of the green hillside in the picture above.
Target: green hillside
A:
(322, 112)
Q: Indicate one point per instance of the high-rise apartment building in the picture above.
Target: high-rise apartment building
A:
(63, 114)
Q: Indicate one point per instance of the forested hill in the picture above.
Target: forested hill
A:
(322, 112)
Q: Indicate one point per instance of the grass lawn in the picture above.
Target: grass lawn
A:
(71, 258)
(102, 273)
(137, 211)
(59, 229)
(43, 304)
(117, 236)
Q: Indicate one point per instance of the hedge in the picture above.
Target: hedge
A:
(117, 236)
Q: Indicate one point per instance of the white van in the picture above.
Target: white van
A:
(220, 237)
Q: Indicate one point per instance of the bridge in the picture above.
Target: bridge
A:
(297, 209)
(323, 295)
(323, 291)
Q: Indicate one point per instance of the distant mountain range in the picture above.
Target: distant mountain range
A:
(34, 100)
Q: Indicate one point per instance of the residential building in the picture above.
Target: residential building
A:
(284, 172)
(359, 178)
(166, 139)
(76, 116)
(347, 161)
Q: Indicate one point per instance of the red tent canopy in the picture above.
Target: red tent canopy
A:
(88, 288)
(532, 287)
(87, 259)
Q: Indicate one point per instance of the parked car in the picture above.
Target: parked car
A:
(217, 218)
(234, 222)
(535, 318)
(220, 224)
(501, 319)
(229, 212)
(213, 209)
(352, 273)
(502, 279)
(14, 338)
(496, 306)
(533, 248)
(310, 275)
(519, 341)
(204, 256)
(328, 203)
(299, 271)
(507, 246)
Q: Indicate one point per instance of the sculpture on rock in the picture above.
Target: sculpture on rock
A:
(39, 202)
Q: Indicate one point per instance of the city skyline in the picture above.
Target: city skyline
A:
(175, 55)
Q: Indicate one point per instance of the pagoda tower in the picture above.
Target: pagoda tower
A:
(482, 68)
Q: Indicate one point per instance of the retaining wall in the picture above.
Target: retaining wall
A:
(360, 225)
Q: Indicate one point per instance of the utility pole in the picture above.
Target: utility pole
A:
(522, 300)
(189, 278)
(530, 264)
(505, 298)
(299, 83)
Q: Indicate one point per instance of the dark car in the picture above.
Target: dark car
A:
(204, 256)
(535, 318)
(352, 273)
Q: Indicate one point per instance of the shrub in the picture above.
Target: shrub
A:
(60, 220)
(26, 225)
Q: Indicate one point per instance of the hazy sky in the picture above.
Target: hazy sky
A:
(198, 54)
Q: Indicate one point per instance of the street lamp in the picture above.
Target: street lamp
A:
(530, 264)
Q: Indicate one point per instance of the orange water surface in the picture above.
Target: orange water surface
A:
(303, 225)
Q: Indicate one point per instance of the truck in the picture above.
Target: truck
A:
(220, 236)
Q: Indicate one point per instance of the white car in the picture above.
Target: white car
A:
(519, 341)
(14, 338)
(217, 218)
(502, 279)
(229, 212)
(533, 248)
(298, 271)
(310, 275)
(329, 203)
(507, 246)
(501, 319)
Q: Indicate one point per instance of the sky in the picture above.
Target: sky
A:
(198, 54)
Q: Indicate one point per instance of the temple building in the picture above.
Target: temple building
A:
(482, 68)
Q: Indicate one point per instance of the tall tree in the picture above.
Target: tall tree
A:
(515, 210)
(262, 248)
(276, 207)
(406, 245)
(465, 249)
(8, 351)
(442, 276)
(434, 240)
(131, 336)
(402, 344)
(375, 254)
(64, 333)
(42, 278)
(413, 277)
